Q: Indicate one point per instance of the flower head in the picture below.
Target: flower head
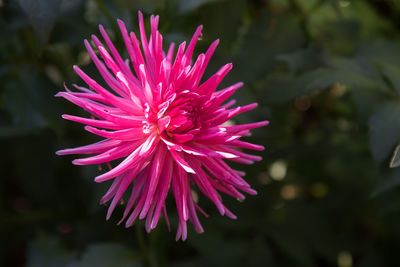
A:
(164, 129)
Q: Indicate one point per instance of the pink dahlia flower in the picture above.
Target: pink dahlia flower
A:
(163, 127)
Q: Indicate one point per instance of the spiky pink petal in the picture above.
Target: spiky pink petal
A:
(164, 126)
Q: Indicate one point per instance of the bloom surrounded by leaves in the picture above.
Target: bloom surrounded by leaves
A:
(163, 125)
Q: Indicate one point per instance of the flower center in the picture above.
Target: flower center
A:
(178, 116)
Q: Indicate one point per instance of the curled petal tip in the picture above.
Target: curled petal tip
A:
(128, 224)
(142, 216)
(251, 191)
(86, 42)
(60, 94)
(76, 68)
(65, 86)
(140, 16)
(88, 128)
(76, 162)
(98, 179)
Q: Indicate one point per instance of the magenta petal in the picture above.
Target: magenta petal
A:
(155, 172)
(163, 188)
(181, 162)
(163, 131)
(98, 147)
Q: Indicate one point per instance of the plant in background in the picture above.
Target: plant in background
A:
(164, 126)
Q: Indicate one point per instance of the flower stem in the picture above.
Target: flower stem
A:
(146, 248)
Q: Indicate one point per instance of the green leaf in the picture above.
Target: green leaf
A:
(29, 99)
(389, 182)
(304, 59)
(214, 250)
(108, 255)
(290, 242)
(356, 73)
(384, 126)
(392, 73)
(380, 51)
(267, 36)
(186, 6)
(395, 161)
(367, 100)
(42, 14)
(24, 113)
(47, 251)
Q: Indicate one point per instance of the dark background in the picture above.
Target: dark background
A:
(326, 73)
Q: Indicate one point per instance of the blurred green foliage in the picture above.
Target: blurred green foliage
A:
(326, 73)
